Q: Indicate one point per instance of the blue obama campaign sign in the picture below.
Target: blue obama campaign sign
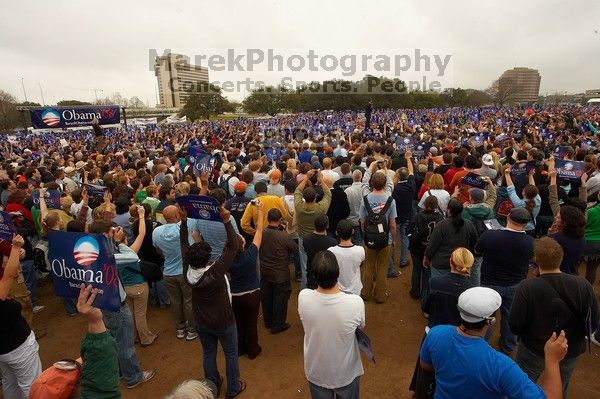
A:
(569, 170)
(7, 229)
(473, 180)
(64, 117)
(51, 197)
(77, 258)
(200, 207)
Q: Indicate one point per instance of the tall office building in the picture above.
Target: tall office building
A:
(522, 85)
(176, 77)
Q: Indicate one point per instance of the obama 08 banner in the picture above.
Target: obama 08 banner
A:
(64, 117)
(77, 258)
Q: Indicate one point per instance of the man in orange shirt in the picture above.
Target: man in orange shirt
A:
(470, 167)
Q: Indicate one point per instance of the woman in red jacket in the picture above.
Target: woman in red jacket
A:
(16, 198)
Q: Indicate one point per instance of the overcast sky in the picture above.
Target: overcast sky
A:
(71, 47)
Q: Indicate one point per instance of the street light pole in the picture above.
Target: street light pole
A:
(23, 85)
(42, 93)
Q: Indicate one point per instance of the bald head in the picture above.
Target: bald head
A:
(171, 214)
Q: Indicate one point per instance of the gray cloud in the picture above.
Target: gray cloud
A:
(72, 47)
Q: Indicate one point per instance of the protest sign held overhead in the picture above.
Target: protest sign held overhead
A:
(569, 170)
(52, 198)
(77, 258)
(7, 229)
(200, 207)
(473, 180)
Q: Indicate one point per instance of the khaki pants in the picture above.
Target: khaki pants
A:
(137, 299)
(377, 262)
(180, 294)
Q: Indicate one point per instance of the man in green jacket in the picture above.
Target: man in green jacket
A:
(306, 209)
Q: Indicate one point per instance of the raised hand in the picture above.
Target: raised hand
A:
(225, 214)
(86, 298)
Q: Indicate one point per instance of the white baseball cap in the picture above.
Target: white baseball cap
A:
(478, 303)
(487, 160)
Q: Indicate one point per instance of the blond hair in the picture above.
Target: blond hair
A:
(191, 389)
(182, 188)
(462, 260)
(436, 182)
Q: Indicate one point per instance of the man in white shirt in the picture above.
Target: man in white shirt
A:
(349, 257)
(327, 172)
(330, 318)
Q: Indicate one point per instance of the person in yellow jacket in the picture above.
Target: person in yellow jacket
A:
(250, 216)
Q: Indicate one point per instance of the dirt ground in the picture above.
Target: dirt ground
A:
(395, 328)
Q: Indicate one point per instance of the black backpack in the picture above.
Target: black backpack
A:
(480, 226)
(376, 231)
(224, 184)
(150, 271)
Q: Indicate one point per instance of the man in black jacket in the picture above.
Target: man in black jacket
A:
(368, 112)
(552, 302)
(404, 192)
(506, 256)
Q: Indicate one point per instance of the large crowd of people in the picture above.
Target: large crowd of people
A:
(347, 200)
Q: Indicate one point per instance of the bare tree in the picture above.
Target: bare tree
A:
(9, 116)
(135, 102)
(503, 90)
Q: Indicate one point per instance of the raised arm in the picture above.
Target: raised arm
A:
(98, 350)
(326, 201)
(11, 270)
(83, 211)
(260, 225)
(137, 244)
(554, 351)
(490, 190)
(231, 247)
(553, 193)
(530, 177)
(246, 221)
(43, 207)
(184, 241)
(202, 182)
(509, 181)
(409, 163)
(583, 189)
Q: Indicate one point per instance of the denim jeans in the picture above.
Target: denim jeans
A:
(357, 236)
(303, 261)
(533, 365)
(159, 294)
(508, 340)
(228, 338)
(401, 230)
(29, 274)
(475, 277)
(120, 326)
(350, 391)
